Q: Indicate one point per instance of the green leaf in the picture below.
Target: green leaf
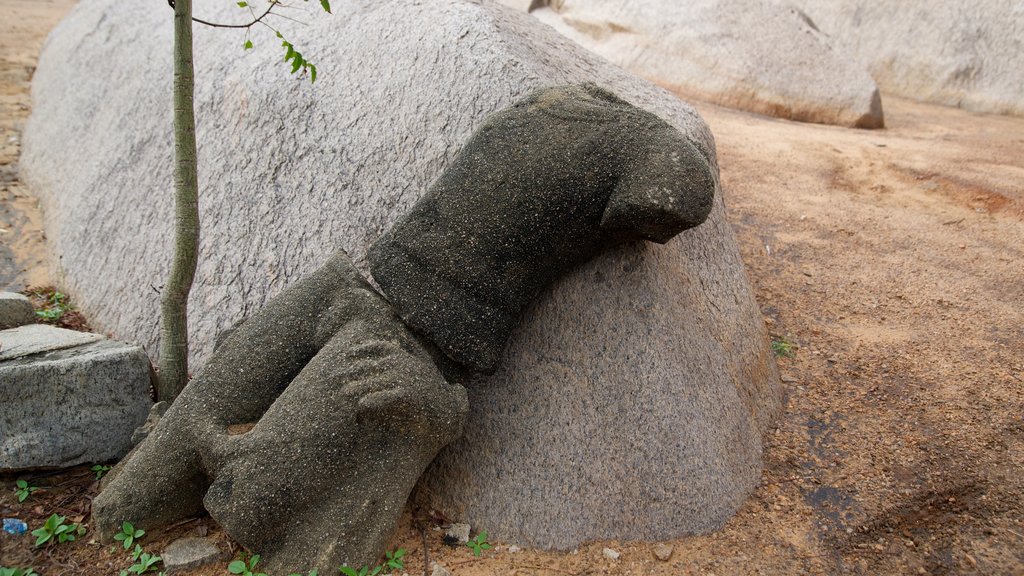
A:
(253, 561)
(237, 567)
(242, 4)
(312, 74)
(296, 63)
(326, 6)
(41, 536)
(347, 571)
(247, 45)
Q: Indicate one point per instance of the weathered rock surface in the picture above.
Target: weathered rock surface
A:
(188, 553)
(964, 54)
(72, 401)
(643, 374)
(15, 310)
(752, 55)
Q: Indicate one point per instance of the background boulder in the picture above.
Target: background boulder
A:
(633, 395)
(963, 54)
(747, 54)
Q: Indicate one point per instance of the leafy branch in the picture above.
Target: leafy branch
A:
(298, 61)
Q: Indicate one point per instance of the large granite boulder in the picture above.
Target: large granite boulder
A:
(957, 53)
(68, 398)
(751, 55)
(642, 376)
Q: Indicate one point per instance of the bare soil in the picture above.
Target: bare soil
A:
(891, 260)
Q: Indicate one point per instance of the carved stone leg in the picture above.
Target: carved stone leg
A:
(303, 435)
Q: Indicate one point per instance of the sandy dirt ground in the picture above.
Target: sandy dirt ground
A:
(890, 260)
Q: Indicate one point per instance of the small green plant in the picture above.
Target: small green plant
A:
(246, 567)
(364, 571)
(128, 534)
(54, 529)
(23, 489)
(479, 544)
(394, 560)
(144, 562)
(55, 304)
(100, 470)
(783, 347)
(5, 571)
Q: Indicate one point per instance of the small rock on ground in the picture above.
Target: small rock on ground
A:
(457, 534)
(439, 570)
(188, 553)
(610, 554)
(663, 551)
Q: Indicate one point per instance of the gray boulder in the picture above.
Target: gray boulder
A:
(964, 54)
(746, 54)
(67, 399)
(15, 310)
(651, 360)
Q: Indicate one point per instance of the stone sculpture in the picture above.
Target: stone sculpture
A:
(305, 432)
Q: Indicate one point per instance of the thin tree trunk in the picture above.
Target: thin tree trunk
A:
(174, 304)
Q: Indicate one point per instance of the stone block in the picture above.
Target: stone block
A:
(15, 310)
(67, 398)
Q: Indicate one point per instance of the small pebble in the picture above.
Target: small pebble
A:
(439, 570)
(610, 554)
(513, 549)
(456, 534)
(663, 551)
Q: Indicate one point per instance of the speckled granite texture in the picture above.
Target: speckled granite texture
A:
(68, 398)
